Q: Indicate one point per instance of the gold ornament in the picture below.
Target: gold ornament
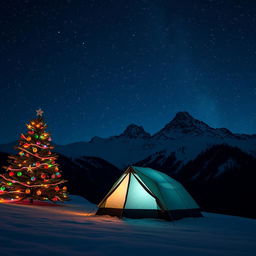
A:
(34, 150)
(29, 169)
(38, 192)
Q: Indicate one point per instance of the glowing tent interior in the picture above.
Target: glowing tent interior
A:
(146, 193)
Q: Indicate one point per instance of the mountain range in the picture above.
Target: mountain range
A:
(216, 165)
(184, 136)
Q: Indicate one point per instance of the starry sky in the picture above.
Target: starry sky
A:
(96, 66)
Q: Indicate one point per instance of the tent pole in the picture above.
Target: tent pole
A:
(127, 190)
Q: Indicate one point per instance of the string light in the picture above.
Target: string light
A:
(43, 158)
(33, 186)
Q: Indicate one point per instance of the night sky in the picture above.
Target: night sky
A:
(97, 66)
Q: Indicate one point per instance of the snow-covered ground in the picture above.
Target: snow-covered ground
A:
(72, 229)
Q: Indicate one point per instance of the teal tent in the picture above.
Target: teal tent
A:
(146, 193)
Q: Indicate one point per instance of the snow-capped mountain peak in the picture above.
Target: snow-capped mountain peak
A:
(185, 120)
(183, 123)
(134, 131)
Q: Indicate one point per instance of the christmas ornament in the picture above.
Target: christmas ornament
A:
(43, 175)
(38, 192)
(27, 191)
(33, 178)
(58, 174)
(34, 150)
(39, 112)
(19, 174)
(29, 169)
(11, 173)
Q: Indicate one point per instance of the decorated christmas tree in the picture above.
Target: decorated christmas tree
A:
(34, 174)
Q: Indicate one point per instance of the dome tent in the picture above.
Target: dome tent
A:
(146, 193)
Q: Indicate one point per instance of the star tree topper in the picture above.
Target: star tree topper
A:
(39, 112)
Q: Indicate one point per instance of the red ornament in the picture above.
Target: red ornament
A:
(53, 176)
(43, 175)
(22, 136)
(37, 164)
(55, 199)
(46, 166)
(11, 173)
(57, 188)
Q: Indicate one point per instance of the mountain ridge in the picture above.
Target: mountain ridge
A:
(184, 136)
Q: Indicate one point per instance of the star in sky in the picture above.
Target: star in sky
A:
(144, 60)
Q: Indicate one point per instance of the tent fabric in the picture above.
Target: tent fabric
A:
(145, 192)
(117, 198)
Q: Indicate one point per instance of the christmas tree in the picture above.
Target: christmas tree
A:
(34, 174)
